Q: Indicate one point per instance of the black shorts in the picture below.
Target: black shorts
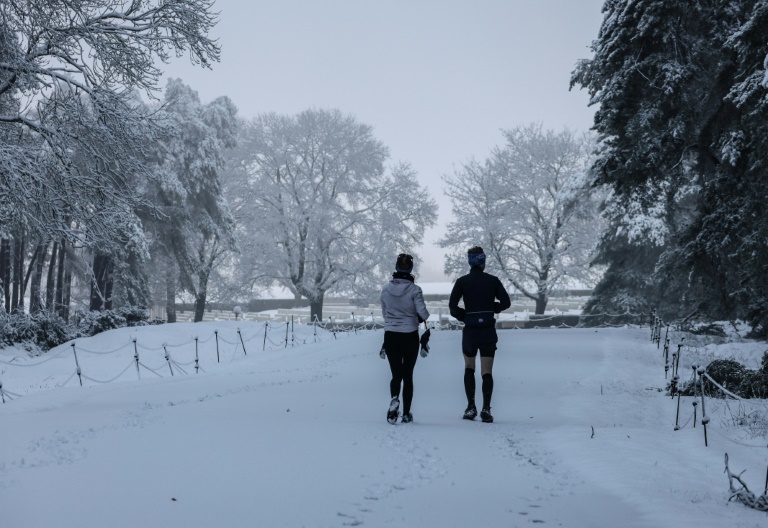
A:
(482, 339)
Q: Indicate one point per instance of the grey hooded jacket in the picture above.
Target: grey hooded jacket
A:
(402, 303)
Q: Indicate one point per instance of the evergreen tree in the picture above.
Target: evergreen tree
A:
(681, 90)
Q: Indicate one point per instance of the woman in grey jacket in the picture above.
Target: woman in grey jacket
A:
(403, 308)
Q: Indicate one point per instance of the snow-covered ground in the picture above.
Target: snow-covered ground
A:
(297, 436)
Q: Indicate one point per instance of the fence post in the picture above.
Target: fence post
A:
(216, 333)
(704, 417)
(677, 417)
(264, 346)
(136, 357)
(197, 362)
(2, 394)
(287, 326)
(77, 364)
(353, 323)
(168, 359)
(241, 339)
(314, 325)
(293, 336)
(333, 326)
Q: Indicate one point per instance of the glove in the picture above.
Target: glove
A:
(382, 353)
(425, 343)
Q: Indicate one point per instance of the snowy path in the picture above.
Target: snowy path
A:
(298, 437)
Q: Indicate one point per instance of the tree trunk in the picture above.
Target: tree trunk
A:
(109, 268)
(60, 279)
(5, 272)
(101, 285)
(50, 282)
(35, 296)
(18, 274)
(316, 307)
(170, 296)
(27, 274)
(67, 292)
(200, 297)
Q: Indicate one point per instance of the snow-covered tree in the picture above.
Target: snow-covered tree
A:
(530, 207)
(681, 94)
(73, 137)
(316, 208)
(195, 228)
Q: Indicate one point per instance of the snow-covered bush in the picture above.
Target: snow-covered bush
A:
(735, 377)
(93, 323)
(43, 329)
(134, 315)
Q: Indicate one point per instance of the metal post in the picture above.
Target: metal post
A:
(677, 418)
(241, 339)
(293, 336)
(77, 364)
(314, 325)
(333, 326)
(197, 362)
(353, 323)
(216, 333)
(168, 359)
(136, 357)
(2, 394)
(287, 326)
(264, 346)
(704, 417)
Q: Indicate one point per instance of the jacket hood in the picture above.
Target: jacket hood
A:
(398, 287)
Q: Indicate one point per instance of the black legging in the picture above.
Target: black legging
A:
(402, 351)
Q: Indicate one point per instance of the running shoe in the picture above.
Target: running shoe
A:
(471, 412)
(392, 413)
(485, 415)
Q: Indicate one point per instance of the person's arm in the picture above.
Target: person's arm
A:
(503, 297)
(421, 306)
(383, 307)
(453, 301)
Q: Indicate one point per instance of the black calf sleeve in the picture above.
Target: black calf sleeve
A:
(469, 384)
(487, 389)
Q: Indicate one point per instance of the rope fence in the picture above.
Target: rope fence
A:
(177, 358)
(740, 492)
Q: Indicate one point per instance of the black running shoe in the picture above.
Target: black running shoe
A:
(485, 415)
(392, 413)
(407, 417)
(471, 412)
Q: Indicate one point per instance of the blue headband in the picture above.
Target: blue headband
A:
(476, 259)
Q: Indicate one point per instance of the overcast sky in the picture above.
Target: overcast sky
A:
(436, 79)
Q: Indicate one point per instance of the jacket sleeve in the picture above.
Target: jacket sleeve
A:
(421, 306)
(453, 302)
(503, 297)
(383, 307)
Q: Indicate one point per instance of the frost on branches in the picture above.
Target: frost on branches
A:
(682, 118)
(530, 207)
(317, 209)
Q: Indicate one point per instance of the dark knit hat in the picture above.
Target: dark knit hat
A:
(404, 263)
(476, 257)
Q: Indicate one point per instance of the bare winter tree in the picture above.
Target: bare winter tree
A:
(316, 208)
(530, 206)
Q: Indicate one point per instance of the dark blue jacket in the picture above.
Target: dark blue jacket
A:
(480, 291)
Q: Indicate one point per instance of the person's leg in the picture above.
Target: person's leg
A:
(469, 350)
(487, 354)
(395, 358)
(410, 349)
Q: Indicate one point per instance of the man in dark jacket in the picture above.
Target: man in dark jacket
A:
(480, 291)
